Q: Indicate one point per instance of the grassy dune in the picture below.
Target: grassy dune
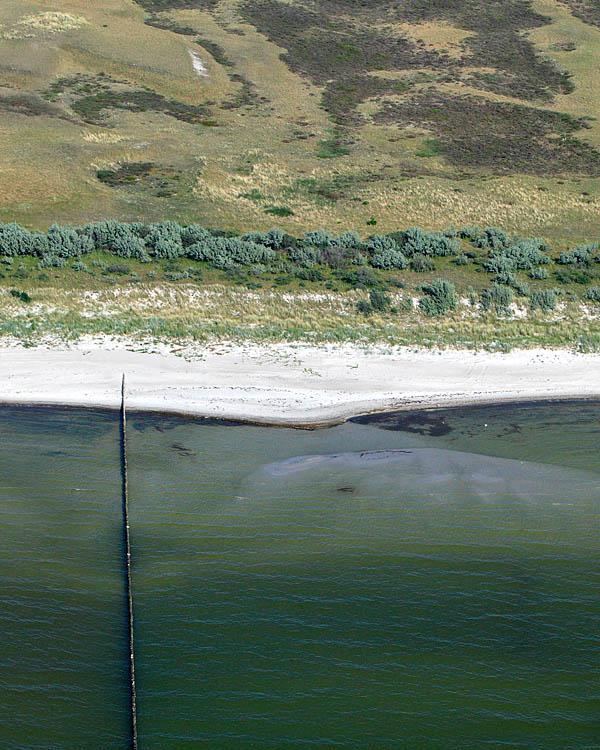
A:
(327, 115)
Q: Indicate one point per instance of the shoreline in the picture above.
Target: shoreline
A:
(240, 421)
(289, 385)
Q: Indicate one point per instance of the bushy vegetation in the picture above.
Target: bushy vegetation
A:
(439, 298)
(544, 300)
(497, 297)
(336, 262)
(580, 256)
(592, 294)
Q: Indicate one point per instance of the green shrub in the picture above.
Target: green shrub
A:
(498, 297)
(52, 261)
(79, 266)
(65, 242)
(416, 241)
(361, 278)
(492, 238)
(505, 277)
(22, 296)
(461, 260)
(379, 300)
(581, 255)
(118, 238)
(527, 253)
(469, 233)
(274, 238)
(224, 252)
(348, 240)
(500, 264)
(320, 238)
(164, 240)
(306, 257)
(257, 270)
(193, 233)
(363, 306)
(116, 268)
(592, 294)
(538, 273)
(521, 288)
(544, 300)
(421, 264)
(440, 298)
(389, 258)
(14, 240)
(572, 275)
(21, 272)
(309, 274)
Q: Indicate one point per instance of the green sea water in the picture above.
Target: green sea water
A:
(444, 595)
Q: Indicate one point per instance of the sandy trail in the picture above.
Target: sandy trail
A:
(285, 383)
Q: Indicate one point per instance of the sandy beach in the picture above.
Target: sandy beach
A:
(285, 383)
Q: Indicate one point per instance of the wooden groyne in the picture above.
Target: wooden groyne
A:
(128, 587)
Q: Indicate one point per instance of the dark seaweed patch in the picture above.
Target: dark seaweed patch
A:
(420, 423)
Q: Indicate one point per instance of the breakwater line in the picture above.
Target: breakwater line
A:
(128, 587)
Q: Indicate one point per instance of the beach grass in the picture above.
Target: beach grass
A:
(190, 313)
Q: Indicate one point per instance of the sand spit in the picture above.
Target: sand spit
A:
(285, 383)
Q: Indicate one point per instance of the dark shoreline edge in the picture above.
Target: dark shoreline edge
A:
(415, 406)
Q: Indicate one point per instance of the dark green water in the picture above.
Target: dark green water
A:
(423, 600)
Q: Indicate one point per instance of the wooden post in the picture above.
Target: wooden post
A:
(128, 587)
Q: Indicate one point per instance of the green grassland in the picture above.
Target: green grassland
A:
(327, 113)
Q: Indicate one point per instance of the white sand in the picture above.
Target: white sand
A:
(198, 64)
(287, 384)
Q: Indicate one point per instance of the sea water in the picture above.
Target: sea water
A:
(417, 580)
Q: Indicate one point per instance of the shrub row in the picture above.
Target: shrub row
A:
(414, 248)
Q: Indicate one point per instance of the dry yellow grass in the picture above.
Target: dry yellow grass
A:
(183, 313)
(441, 37)
(47, 166)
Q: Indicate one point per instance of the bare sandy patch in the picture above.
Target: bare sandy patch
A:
(198, 64)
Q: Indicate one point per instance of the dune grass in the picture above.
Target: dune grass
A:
(258, 102)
